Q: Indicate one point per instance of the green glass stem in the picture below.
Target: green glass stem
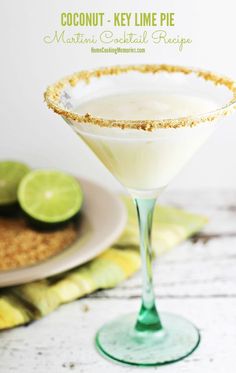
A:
(148, 318)
(143, 341)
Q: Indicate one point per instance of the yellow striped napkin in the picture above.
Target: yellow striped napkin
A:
(25, 303)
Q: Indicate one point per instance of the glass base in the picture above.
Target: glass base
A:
(119, 341)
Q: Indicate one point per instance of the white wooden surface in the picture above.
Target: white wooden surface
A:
(196, 280)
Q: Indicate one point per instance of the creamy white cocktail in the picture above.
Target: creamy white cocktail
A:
(145, 161)
(144, 122)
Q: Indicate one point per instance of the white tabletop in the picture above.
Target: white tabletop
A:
(196, 280)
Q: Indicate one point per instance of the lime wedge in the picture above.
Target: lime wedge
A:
(11, 173)
(50, 196)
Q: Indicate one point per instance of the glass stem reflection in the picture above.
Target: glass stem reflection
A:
(148, 318)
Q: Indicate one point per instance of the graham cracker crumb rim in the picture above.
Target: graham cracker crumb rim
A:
(53, 94)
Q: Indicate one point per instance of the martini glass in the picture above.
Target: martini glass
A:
(144, 154)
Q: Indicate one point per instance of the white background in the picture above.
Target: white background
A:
(32, 133)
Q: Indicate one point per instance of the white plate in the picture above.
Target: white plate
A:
(103, 219)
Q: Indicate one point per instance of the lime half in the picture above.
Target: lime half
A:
(50, 196)
(11, 173)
